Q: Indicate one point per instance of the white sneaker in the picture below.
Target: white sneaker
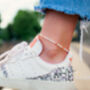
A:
(23, 62)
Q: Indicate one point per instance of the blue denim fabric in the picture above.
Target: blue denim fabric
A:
(80, 7)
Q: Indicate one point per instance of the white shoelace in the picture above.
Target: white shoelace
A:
(83, 27)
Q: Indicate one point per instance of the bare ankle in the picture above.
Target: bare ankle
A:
(52, 53)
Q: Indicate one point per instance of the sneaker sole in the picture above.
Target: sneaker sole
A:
(37, 85)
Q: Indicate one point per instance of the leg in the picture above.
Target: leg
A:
(59, 27)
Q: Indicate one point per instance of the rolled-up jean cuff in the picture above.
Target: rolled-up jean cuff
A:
(42, 8)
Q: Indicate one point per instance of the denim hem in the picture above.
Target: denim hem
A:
(66, 10)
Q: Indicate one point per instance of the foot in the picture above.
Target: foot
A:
(25, 61)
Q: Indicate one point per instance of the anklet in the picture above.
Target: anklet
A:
(52, 41)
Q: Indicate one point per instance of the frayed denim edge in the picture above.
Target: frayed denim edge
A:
(42, 8)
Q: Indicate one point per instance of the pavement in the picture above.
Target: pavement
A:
(86, 52)
(81, 76)
(81, 68)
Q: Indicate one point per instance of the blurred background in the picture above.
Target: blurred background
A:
(20, 22)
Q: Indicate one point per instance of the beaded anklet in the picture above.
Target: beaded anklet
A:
(52, 41)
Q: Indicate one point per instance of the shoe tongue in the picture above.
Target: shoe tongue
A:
(36, 46)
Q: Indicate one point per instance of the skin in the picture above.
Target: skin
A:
(58, 27)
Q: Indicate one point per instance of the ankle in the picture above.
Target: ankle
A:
(51, 52)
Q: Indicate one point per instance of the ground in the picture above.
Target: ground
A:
(81, 68)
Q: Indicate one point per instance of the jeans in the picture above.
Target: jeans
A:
(79, 7)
